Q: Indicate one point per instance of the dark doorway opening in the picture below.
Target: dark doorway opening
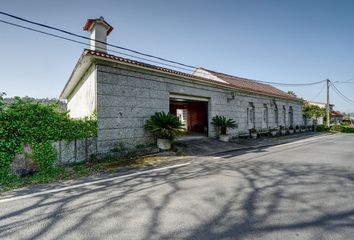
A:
(193, 114)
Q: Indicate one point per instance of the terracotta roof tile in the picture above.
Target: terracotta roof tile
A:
(251, 85)
(231, 81)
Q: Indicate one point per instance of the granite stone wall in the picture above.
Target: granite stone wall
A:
(75, 151)
(127, 97)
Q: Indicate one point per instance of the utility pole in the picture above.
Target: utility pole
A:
(327, 105)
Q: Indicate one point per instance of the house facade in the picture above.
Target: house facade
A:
(125, 93)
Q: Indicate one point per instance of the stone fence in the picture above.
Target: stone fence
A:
(75, 151)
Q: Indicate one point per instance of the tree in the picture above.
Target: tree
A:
(313, 111)
(291, 93)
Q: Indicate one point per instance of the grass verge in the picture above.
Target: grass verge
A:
(76, 170)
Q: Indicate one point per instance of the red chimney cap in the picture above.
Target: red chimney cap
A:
(91, 21)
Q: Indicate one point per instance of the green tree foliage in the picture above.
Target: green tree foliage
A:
(26, 121)
(313, 111)
(223, 123)
(164, 125)
(291, 93)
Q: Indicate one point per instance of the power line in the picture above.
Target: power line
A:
(87, 38)
(343, 82)
(318, 94)
(350, 80)
(341, 94)
(292, 84)
(125, 49)
(86, 44)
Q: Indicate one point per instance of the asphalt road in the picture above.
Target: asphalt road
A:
(302, 190)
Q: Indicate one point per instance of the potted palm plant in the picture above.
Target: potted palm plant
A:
(165, 127)
(222, 123)
(303, 129)
(254, 133)
(297, 129)
(282, 130)
(273, 131)
(291, 129)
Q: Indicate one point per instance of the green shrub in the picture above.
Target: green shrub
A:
(44, 154)
(38, 124)
(223, 123)
(347, 129)
(253, 130)
(337, 128)
(120, 147)
(164, 125)
(322, 128)
(140, 146)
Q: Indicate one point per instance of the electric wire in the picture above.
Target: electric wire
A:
(125, 49)
(318, 94)
(87, 38)
(87, 44)
(341, 94)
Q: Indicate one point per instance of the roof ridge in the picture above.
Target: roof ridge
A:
(233, 76)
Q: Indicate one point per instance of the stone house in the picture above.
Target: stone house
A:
(125, 93)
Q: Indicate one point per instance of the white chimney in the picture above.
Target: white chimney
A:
(99, 30)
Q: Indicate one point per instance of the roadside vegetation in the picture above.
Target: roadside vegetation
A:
(27, 132)
(344, 128)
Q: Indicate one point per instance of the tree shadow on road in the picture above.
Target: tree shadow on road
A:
(220, 199)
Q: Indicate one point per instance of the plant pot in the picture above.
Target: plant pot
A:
(224, 138)
(274, 133)
(254, 135)
(283, 132)
(297, 130)
(291, 131)
(163, 144)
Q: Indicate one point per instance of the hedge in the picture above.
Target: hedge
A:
(347, 129)
(39, 124)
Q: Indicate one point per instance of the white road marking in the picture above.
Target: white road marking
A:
(303, 141)
(89, 183)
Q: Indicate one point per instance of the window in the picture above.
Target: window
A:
(265, 116)
(276, 116)
(284, 116)
(291, 116)
(251, 116)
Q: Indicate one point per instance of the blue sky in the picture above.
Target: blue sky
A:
(279, 41)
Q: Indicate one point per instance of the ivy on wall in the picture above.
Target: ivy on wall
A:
(28, 122)
(313, 111)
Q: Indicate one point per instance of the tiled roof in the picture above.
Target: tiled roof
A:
(336, 114)
(251, 85)
(231, 81)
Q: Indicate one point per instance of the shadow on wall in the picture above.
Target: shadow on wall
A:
(263, 199)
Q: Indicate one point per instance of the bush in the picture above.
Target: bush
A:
(347, 129)
(253, 130)
(322, 128)
(223, 123)
(27, 122)
(164, 125)
(337, 128)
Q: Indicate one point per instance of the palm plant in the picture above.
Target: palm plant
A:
(164, 125)
(223, 123)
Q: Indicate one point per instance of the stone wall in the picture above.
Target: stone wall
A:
(127, 97)
(75, 151)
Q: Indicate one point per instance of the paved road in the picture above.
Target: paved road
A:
(303, 190)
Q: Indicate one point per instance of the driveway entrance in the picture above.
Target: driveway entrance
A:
(192, 111)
